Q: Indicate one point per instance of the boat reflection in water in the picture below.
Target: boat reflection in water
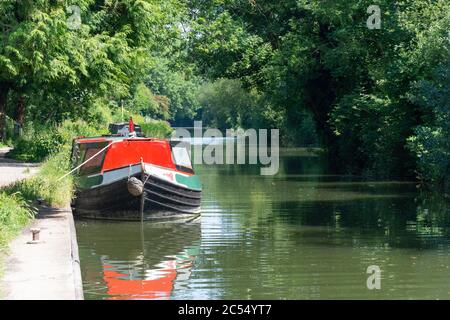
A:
(139, 261)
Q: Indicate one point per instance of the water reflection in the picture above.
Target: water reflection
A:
(137, 261)
(302, 234)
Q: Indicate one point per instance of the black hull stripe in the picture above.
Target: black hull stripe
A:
(174, 198)
(180, 208)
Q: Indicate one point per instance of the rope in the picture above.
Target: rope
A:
(148, 176)
(73, 170)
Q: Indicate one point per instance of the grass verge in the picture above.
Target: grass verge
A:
(15, 213)
(46, 184)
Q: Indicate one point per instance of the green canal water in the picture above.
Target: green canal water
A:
(301, 234)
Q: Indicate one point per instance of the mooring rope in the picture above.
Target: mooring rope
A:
(78, 167)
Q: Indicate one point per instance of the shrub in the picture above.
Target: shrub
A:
(39, 142)
(3, 144)
(36, 144)
(146, 103)
(370, 132)
(157, 129)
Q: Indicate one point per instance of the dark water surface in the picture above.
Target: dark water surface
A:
(301, 234)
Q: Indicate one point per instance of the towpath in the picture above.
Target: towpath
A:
(12, 170)
(49, 270)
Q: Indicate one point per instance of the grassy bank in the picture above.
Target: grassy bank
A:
(15, 213)
(17, 200)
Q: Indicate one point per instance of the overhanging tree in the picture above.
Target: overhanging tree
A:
(59, 71)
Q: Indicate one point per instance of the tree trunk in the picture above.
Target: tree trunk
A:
(4, 89)
(19, 115)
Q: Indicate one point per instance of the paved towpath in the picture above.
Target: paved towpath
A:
(49, 270)
(12, 170)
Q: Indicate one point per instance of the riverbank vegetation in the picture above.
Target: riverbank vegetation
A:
(18, 201)
(14, 214)
(376, 99)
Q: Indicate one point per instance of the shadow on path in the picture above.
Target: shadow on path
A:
(13, 170)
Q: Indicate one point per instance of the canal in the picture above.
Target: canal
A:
(301, 234)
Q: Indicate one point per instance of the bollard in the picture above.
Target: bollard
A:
(35, 235)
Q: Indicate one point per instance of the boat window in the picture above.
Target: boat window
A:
(181, 157)
(95, 164)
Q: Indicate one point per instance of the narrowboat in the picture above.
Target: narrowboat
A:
(128, 176)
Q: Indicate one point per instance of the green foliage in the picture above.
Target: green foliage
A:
(56, 144)
(303, 55)
(35, 145)
(226, 47)
(179, 86)
(99, 114)
(60, 72)
(431, 140)
(10, 133)
(147, 104)
(118, 116)
(157, 129)
(303, 134)
(15, 213)
(39, 142)
(46, 184)
(369, 128)
(68, 130)
(225, 103)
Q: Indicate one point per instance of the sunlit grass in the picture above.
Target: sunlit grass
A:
(46, 184)
(15, 213)
(5, 144)
(157, 129)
